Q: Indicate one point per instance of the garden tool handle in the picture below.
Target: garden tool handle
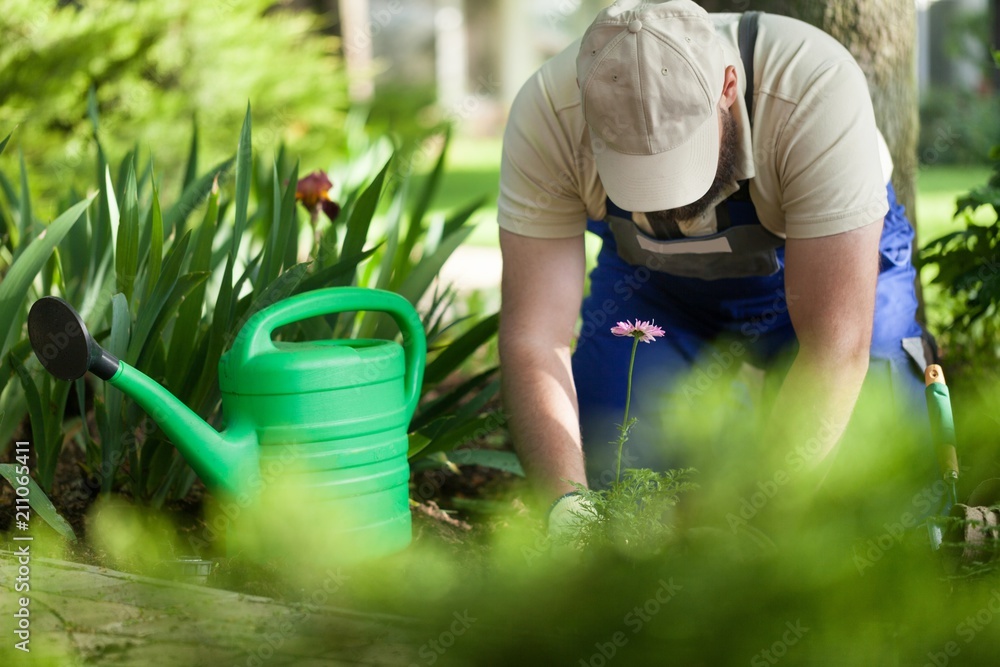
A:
(942, 421)
(255, 337)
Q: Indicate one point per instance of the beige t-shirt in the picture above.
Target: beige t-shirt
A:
(817, 163)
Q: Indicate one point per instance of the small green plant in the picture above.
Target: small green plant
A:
(634, 514)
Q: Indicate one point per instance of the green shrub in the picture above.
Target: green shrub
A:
(154, 65)
(968, 275)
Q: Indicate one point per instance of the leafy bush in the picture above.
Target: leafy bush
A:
(153, 66)
(165, 289)
(968, 272)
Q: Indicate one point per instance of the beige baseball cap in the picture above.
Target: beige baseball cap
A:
(651, 75)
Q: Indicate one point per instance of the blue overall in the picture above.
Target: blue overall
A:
(703, 320)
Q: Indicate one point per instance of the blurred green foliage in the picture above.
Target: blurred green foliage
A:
(154, 65)
(958, 127)
(968, 273)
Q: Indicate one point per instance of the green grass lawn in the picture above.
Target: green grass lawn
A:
(937, 189)
(473, 170)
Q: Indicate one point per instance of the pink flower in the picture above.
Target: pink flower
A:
(644, 331)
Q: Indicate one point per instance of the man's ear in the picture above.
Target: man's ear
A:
(729, 88)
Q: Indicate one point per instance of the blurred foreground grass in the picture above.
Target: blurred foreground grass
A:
(762, 569)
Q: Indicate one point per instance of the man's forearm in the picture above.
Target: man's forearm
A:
(540, 400)
(815, 404)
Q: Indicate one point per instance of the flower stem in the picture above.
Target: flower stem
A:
(623, 431)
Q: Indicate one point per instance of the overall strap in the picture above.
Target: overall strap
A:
(748, 42)
(747, 37)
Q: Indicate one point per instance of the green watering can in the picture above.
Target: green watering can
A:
(333, 413)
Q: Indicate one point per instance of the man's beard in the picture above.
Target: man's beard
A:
(664, 223)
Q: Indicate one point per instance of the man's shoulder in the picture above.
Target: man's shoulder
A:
(553, 87)
(795, 56)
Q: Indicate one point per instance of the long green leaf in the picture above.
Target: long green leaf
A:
(3, 144)
(457, 432)
(113, 213)
(54, 395)
(36, 412)
(75, 254)
(187, 326)
(92, 111)
(127, 243)
(26, 216)
(191, 169)
(14, 288)
(178, 476)
(127, 164)
(222, 318)
(244, 177)
(97, 288)
(450, 359)
(175, 217)
(439, 406)
(13, 410)
(429, 267)
(111, 435)
(426, 196)
(361, 219)
(101, 223)
(334, 275)
(280, 288)
(19, 351)
(6, 216)
(490, 458)
(39, 501)
(393, 259)
(283, 212)
(155, 257)
(151, 311)
(268, 267)
(167, 308)
(418, 443)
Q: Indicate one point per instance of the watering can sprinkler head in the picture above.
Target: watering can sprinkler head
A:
(66, 349)
(62, 343)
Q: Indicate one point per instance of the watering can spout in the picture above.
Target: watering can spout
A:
(225, 461)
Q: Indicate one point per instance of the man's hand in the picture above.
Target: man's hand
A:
(567, 517)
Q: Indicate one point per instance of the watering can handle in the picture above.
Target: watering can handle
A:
(255, 337)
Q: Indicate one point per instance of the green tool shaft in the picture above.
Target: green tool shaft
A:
(942, 421)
